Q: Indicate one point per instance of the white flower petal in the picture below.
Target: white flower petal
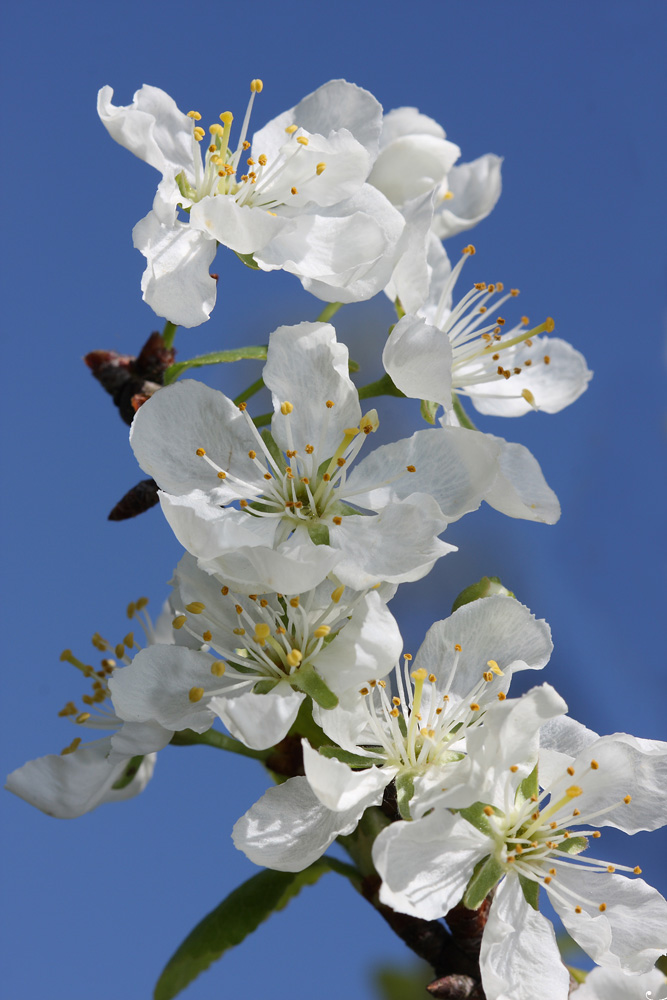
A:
(337, 786)
(629, 934)
(412, 165)
(408, 121)
(475, 188)
(611, 984)
(418, 359)
(242, 228)
(519, 957)
(259, 720)
(152, 127)
(520, 489)
(289, 828)
(176, 284)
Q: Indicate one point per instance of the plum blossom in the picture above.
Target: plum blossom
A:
(296, 198)
(116, 766)
(256, 657)
(415, 737)
(470, 350)
(519, 839)
(282, 512)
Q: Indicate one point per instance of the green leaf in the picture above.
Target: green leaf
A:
(255, 352)
(234, 919)
(428, 410)
(351, 759)
(265, 686)
(405, 789)
(484, 879)
(531, 891)
(528, 788)
(318, 533)
(214, 738)
(248, 260)
(480, 820)
(488, 586)
(309, 681)
(129, 773)
(573, 845)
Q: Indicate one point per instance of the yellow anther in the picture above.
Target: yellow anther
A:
(546, 359)
(488, 811)
(207, 636)
(179, 621)
(576, 812)
(256, 86)
(87, 700)
(238, 608)
(216, 129)
(337, 593)
(320, 168)
(610, 868)
(291, 129)
(602, 907)
(492, 665)
(594, 765)
(261, 159)
(410, 468)
(293, 191)
(447, 196)
(199, 134)
(119, 650)
(487, 675)
(131, 609)
(627, 799)
(577, 909)
(549, 324)
(510, 858)
(637, 870)
(330, 404)
(246, 144)
(294, 658)
(547, 879)
(238, 631)
(514, 768)
(364, 691)
(302, 140)
(469, 249)
(222, 475)
(597, 834)
(574, 791)
(195, 115)
(514, 292)
(570, 771)
(501, 696)
(200, 452)
(474, 706)
(337, 520)
(218, 668)
(394, 713)
(195, 607)
(262, 631)
(432, 678)
(369, 422)
(323, 630)
(72, 747)
(129, 640)
(83, 717)
(141, 603)
(286, 408)
(458, 647)
(294, 602)
(196, 694)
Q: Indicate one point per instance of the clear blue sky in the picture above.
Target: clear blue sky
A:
(570, 94)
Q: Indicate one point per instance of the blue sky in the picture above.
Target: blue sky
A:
(569, 94)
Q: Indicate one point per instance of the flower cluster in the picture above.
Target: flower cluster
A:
(298, 531)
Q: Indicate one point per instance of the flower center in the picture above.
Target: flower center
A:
(261, 183)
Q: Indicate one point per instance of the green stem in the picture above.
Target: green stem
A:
(383, 387)
(329, 310)
(250, 391)
(463, 417)
(214, 738)
(169, 333)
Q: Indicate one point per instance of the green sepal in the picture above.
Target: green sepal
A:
(486, 875)
(428, 410)
(573, 845)
(318, 533)
(264, 686)
(307, 679)
(351, 759)
(478, 818)
(488, 586)
(248, 260)
(235, 918)
(531, 891)
(528, 787)
(405, 789)
(256, 352)
(398, 306)
(129, 774)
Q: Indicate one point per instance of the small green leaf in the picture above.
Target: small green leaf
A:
(318, 533)
(528, 788)
(351, 759)
(248, 260)
(480, 820)
(488, 586)
(429, 410)
(264, 686)
(256, 352)
(573, 845)
(531, 891)
(234, 919)
(480, 885)
(405, 789)
(309, 681)
(129, 773)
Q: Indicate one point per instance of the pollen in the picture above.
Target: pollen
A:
(570, 771)
(602, 907)
(596, 834)
(547, 359)
(364, 691)
(411, 468)
(291, 129)
(514, 292)
(195, 115)
(514, 768)
(474, 706)
(337, 594)
(594, 765)
(200, 452)
(293, 190)
(330, 404)
(302, 140)
(207, 636)
(501, 696)
(320, 168)
(196, 694)
(195, 607)
(286, 408)
(637, 870)
(323, 630)
(469, 249)
(547, 879)
(294, 602)
(218, 668)
(488, 811)
(432, 678)
(337, 520)
(458, 648)
(577, 909)
(224, 591)
(627, 799)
